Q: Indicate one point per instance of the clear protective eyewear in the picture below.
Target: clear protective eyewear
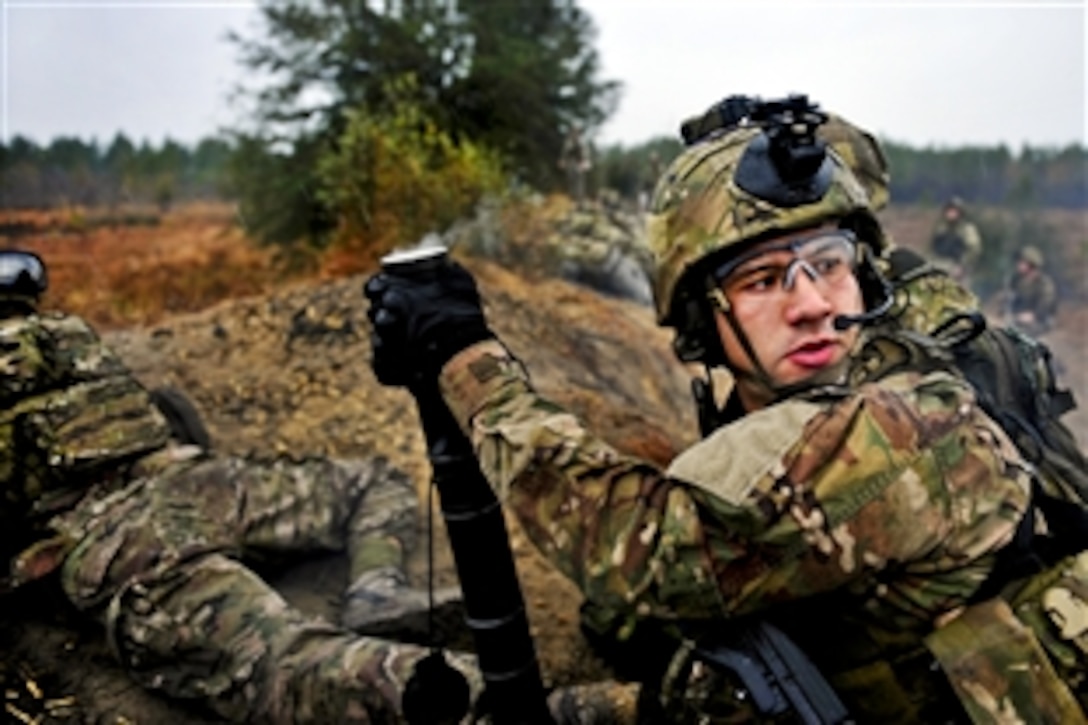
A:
(22, 271)
(828, 258)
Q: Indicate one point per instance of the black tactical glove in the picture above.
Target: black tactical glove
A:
(422, 313)
(421, 316)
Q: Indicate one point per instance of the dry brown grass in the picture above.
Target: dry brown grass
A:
(135, 266)
(116, 273)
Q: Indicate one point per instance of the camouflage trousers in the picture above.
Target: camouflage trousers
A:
(160, 564)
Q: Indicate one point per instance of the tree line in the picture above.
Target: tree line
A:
(70, 171)
(996, 176)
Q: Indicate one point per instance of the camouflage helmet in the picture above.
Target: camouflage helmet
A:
(857, 147)
(954, 202)
(699, 208)
(862, 153)
(1032, 255)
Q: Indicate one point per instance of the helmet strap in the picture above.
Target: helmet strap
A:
(758, 374)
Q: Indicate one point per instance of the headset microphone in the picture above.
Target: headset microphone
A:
(842, 322)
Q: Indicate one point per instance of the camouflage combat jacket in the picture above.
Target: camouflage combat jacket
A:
(893, 498)
(1035, 294)
(73, 417)
(956, 244)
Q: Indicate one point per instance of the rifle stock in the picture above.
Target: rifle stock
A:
(777, 675)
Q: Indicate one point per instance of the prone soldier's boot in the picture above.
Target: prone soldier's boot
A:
(380, 600)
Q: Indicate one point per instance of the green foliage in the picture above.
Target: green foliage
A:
(633, 172)
(164, 192)
(510, 76)
(532, 74)
(207, 165)
(394, 176)
(276, 190)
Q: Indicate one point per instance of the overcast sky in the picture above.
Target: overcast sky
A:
(933, 72)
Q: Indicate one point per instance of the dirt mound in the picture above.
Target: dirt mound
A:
(289, 374)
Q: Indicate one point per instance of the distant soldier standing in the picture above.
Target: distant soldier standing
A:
(1033, 299)
(576, 161)
(646, 185)
(956, 242)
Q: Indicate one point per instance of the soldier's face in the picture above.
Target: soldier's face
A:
(785, 296)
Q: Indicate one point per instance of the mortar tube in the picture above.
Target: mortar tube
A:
(494, 607)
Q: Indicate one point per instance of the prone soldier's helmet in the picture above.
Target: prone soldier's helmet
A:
(862, 154)
(23, 277)
(782, 166)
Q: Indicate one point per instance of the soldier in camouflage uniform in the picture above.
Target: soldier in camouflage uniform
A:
(1033, 298)
(148, 537)
(600, 248)
(853, 491)
(956, 243)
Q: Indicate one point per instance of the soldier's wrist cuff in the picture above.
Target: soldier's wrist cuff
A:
(474, 374)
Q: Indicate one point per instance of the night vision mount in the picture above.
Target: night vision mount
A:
(785, 164)
(726, 114)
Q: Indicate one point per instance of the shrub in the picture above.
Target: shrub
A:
(394, 176)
